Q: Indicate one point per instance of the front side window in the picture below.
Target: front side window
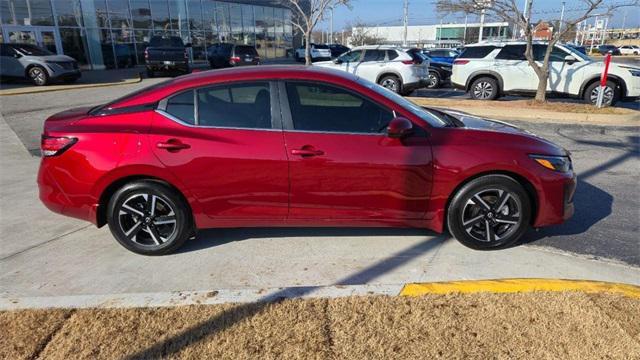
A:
(476, 52)
(326, 108)
(246, 105)
(512, 52)
(557, 54)
(352, 56)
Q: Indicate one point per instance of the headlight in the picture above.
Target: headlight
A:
(634, 72)
(556, 163)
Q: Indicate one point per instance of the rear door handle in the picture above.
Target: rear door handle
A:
(173, 145)
(307, 152)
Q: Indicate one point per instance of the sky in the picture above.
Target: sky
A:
(423, 12)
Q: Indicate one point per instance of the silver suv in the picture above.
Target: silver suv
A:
(37, 64)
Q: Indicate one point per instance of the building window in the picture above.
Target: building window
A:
(101, 13)
(69, 12)
(222, 20)
(26, 12)
(160, 15)
(141, 14)
(74, 44)
(248, 26)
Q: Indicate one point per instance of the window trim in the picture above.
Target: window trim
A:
(276, 120)
(287, 119)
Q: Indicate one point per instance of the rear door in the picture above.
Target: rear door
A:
(342, 164)
(372, 64)
(564, 77)
(514, 69)
(225, 144)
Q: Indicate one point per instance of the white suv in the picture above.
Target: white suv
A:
(318, 52)
(488, 70)
(388, 66)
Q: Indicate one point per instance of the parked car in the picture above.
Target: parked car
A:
(39, 65)
(319, 52)
(442, 55)
(489, 70)
(295, 146)
(608, 49)
(388, 66)
(578, 48)
(629, 49)
(224, 55)
(337, 50)
(166, 53)
(439, 72)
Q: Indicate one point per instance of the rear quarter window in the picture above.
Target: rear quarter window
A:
(476, 52)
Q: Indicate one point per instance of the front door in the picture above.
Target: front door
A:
(341, 163)
(43, 36)
(372, 64)
(225, 144)
(514, 69)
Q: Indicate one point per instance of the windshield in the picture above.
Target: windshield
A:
(172, 41)
(32, 50)
(416, 110)
(577, 53)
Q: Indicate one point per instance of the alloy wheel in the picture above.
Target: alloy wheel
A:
(390, 84)
(607, 99)
(483, 90)
(147, 219)
(38, 75)
(433, 80)
(491, 215)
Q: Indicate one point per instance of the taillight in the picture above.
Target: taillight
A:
(410, 62)
(186, 53)
(460, 62)
(146, 53)
(52, 146)
(234, 59)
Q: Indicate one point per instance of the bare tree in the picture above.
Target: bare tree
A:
(508, 10)
(307, 14)
(360, 34)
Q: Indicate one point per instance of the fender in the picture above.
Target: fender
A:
(618, 79)
(387, 72)
(475, 74)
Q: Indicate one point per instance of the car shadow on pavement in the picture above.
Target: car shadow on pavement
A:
(170, 346)
(216, 237)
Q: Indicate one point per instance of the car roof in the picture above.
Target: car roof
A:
(504, 43)
(376, 47)
(245, 73)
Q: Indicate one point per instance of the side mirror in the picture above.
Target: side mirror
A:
(570, 59)
(399, 127)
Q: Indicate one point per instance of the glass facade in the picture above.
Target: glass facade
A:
(114, 33)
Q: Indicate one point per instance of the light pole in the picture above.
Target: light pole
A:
(561, 18)
(405, 21)
(331, 26)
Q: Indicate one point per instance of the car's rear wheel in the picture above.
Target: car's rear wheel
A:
(38, 75)
(484, 88)
(149, 218)
(610, 96)
(489, 212)
(392, 83)
(433, 80)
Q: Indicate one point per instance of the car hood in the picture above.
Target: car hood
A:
(481, 124)
(324, 63)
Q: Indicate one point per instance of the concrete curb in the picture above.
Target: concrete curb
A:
(209, 297)
(42, 89)
(519, 286)
(632, 118)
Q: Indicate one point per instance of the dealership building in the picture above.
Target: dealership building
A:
(441, 35)
(114, 33)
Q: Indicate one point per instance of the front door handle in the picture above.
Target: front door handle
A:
(307, 151)
(173, 145)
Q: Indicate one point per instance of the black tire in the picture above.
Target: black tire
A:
(38, 75)
(612, 93)
(129, 213)
(484, 88)
(434, 80)
(391, 82)
(151, 73)
(482, 228)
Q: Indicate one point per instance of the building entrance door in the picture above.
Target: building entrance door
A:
(46, 37)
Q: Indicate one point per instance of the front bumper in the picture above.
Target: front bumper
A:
(168, 65)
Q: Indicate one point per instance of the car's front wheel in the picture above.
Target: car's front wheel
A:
(38, 75)
(149, 218)
(484, 88)
(434, 80)
(489, 212)
(609, 98)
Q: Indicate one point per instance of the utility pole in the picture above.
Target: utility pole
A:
(464, 36)
(561, 18)
(604, 30)
(405, 21)
(578, 27)
(624, 22)
(331, 26)
(593, 35)
(481, 24)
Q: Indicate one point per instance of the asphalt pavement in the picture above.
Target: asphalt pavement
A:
(42, 253)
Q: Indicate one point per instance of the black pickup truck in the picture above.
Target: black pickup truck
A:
(166, 53)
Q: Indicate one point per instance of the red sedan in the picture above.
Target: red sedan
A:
(295, 146)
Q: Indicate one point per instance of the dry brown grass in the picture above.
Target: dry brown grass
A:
(522, 105)
(533, 325)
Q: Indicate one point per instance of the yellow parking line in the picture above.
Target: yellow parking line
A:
(519, 285)
(50, 88)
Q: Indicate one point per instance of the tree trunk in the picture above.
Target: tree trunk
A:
(307, 49)
(541, 92)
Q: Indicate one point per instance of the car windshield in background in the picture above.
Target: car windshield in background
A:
(579, 54)
(32, 50)
(173, 41)
(410, 106)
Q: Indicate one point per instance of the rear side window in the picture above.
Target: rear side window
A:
(181, 107)
(476, 52)
(374, 55)
(512, 52)
(391, 54)
(246, 105)
(325, 108)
